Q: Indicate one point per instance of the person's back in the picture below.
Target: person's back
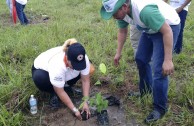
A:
(42, 60)
(142, 7)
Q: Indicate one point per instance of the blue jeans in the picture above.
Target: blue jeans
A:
(151, 47)
(179, 44)
(20, 13)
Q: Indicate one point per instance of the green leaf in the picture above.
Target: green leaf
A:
(98, 99)
(98, 83)
(102, 68)
(92, 102)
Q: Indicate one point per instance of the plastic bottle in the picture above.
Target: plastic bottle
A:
(33, 104)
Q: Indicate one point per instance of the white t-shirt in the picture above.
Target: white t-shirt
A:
(177, 3)
(23, 2)
(52, 61)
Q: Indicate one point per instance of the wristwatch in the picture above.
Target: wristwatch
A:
(75, 110)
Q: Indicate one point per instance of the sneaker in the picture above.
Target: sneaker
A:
(153, 116)
(102, 118)
(54, 101)
(134, 94)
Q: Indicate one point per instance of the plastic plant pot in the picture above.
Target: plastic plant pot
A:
(84, 115)
(102, 118)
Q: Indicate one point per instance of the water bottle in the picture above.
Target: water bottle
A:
(33, 104)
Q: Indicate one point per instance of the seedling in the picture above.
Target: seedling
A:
(101, 105)
(97, 101)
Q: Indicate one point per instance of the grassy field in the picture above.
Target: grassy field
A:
(19, 45)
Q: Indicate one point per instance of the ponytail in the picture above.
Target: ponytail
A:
(67, 43)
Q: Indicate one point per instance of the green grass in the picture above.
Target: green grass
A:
(19, 45)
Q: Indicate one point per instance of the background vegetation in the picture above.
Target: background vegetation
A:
(19, 45)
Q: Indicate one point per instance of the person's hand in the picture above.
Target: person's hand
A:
(179, 9)
(167, 67)
(116, 59)
(78, 115)
(86, 109)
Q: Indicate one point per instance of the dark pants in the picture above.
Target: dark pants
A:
(179, 43)
(42, 80)
(151, 46)
(20, 13)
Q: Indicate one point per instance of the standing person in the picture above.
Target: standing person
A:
(160, 26)
(20, 5)
(56, 70)
(9, 4)
(181, 7)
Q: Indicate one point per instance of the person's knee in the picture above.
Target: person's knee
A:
(158, 74)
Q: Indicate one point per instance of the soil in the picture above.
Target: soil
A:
(34, 18)
(47, 116)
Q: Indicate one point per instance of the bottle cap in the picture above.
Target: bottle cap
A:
(32, 96)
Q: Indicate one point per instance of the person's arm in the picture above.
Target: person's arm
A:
(66, 100)
(86, 90)
(179, 9)
(168, 66)
(121, 38)
(85, 85)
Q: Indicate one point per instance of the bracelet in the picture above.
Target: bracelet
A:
(75, 110)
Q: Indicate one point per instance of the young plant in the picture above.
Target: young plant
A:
(97, 101)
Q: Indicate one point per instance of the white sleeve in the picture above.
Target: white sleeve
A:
(86, 71)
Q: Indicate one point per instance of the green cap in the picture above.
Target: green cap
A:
(110, 7)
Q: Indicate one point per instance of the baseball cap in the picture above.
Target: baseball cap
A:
(110, 7)
(76, 54)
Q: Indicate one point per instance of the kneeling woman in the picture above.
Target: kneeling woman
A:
(63, 66)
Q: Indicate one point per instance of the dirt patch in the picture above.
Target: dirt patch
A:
(46, 116)
(63, 117)
(34, 18)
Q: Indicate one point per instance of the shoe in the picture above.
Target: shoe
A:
(102, 118)
(54, 101)
(134, 94)
(153, 116)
